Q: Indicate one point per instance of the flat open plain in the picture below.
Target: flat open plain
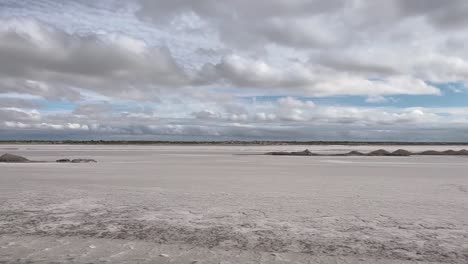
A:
(208, 204)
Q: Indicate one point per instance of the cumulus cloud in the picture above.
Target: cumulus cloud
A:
(290, 110)
(47, 61)
(309, 79)
(444, 14)
(268, 19)
(19, 114)
(285, 119)
(52, 63)
(378, 38)
(182, 68)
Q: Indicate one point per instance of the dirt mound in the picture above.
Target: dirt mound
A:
(430, 152)
(76, 161)
(449, 152)
(402, 152)
(354, 153)
(63, 160)
(83, 161)
(463, 152)
(380, 152)
(303, 153)
(297, 153)
(13, 158)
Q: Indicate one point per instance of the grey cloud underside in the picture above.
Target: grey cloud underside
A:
(270, 19)
(319, 31)
(42, 56)
(20, 103)
(369, 38)
(48, 62)
(444, 14)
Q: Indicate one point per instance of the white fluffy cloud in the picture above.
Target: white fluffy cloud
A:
(287, 118)
(309, 79)
(293, 110)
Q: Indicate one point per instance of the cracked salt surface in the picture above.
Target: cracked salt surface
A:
(209, 206)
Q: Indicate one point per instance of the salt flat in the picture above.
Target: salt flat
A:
(211, 204)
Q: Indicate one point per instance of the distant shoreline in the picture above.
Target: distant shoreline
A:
(226, 143)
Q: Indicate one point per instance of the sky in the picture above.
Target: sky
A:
(346, 70)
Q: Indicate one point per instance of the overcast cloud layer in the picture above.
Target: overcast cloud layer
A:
(217, 70)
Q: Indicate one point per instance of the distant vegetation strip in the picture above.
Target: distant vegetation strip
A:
(231, 142)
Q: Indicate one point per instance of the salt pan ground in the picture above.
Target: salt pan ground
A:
(209, 204)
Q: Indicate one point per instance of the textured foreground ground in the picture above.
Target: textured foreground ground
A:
(175, 204)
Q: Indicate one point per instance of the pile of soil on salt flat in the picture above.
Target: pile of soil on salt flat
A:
(76, 161)
(10, 158)
(13, 158)
(380, 152)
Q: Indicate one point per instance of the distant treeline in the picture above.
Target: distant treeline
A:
(233, 142)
